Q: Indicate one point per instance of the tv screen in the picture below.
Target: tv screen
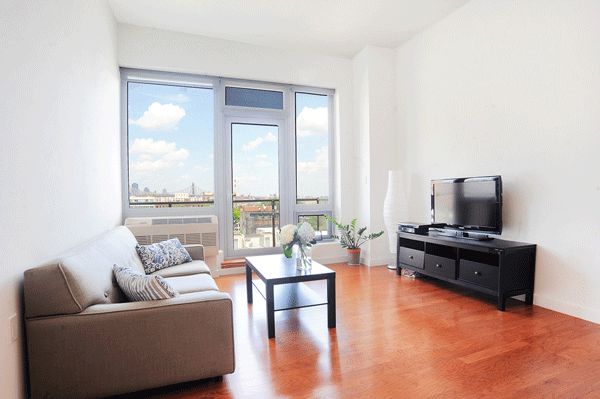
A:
(472, 203)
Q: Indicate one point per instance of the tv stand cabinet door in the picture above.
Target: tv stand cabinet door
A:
(411, 257)
(478, 273)
(440, 266)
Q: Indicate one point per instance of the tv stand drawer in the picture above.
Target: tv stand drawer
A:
(478, 273)
(411, 257)
(440, 266)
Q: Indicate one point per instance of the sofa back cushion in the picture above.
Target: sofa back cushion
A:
(81, 277)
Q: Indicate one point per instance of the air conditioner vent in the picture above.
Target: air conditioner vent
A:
(209, 239)
(144, 240)
(194, 220)
(193, 238)
(159, 238)
(180, 237)
(200, 229)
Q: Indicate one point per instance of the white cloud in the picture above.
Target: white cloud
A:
(148, 150)
(312, 122)
(262, 164)
(150, 166)
(185, 177)
(318, 166)
(151, 147)
(252, 145)
(270, 137)
(179, 155)
(202, 168)
(261, 156)
(160, 117)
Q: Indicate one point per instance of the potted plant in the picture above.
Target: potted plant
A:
(351, 239)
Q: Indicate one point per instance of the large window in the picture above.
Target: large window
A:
(313, 176)
(170, 144)
(312, 148)
(255, 154)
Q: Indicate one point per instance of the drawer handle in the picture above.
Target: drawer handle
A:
(478, 273)
(438, 265)
(411, 257)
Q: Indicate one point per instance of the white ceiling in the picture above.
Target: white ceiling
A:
(339, 28)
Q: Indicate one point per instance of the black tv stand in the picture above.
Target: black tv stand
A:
(496, 267)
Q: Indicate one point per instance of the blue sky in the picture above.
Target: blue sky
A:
(170, 137)
(171, 143)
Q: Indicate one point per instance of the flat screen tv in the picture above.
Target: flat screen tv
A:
(469, 207)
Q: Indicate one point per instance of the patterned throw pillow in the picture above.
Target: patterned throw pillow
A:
(162, 255)
(138, 287)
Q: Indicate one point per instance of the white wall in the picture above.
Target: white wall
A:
(512, 88)
(375, 110)
(156, 49)
(60, 177)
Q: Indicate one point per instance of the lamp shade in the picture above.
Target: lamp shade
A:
(393, 206)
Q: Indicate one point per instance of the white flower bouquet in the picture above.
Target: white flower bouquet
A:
(302, 235)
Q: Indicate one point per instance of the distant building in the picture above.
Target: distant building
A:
(182, 197)
(255, 217)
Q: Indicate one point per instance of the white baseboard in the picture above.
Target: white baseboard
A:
(378, 262)
(567, 308)
(331, 259)
(232, 270)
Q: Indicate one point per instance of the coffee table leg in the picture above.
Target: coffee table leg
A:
(270, 310)
(331, 302)
(249, 283)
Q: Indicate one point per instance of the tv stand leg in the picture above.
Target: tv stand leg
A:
(529, 298)
(398, 270)
(501, 302)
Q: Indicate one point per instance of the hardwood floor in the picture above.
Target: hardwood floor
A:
(399, 337)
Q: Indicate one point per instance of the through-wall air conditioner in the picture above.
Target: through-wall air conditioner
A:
(201, 229)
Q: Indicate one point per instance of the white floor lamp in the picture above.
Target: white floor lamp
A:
(393, 207)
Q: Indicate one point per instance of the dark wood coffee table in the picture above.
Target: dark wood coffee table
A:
(281, 284)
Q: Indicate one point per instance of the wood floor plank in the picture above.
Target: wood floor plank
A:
(401, 337)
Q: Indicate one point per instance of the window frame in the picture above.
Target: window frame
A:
(168, 79)
(221, 160)
(227, 229)
(306, 209)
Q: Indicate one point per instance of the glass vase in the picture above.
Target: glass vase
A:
(304, 259)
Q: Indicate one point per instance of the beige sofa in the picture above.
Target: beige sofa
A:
(85, 340)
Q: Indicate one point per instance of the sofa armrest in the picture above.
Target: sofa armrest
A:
(196, 251)
(110, 349)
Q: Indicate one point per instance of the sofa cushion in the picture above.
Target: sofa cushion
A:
(193, 283)
(139, 287)
(185, 269)
(82, 276)
(162, 255)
